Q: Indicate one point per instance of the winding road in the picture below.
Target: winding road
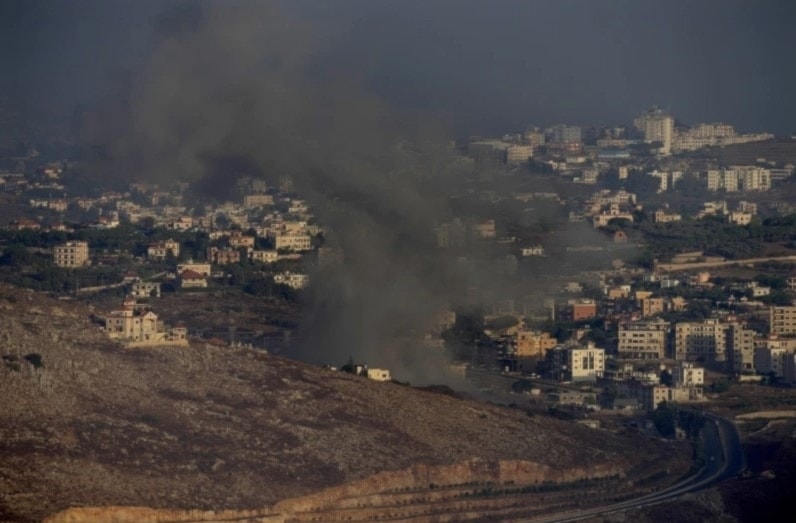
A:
(724, 459)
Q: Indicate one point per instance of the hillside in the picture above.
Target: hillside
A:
(84, 422)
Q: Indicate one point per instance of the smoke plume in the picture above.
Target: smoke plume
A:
(241, 88)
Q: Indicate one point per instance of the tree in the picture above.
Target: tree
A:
(665, 419)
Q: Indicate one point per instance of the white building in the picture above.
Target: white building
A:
(686, 375)
(585, 363)
(292, 279)
(379, 374)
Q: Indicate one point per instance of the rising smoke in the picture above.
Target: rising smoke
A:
(241, 88)
(234, 89)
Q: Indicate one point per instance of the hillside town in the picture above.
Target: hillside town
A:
(669, 261)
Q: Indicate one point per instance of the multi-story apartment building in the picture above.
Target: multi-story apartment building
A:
(518, 154)
(740, 349)
(71, 254)
(701, 341)
(565, 134)
(257, 200)
(643, 339)
(531, 344)
(657, 126)
(585, 363)
(739, 178)
(753, 178)
(724, 179)
(782, 320)
(293, 242)
(582, 309)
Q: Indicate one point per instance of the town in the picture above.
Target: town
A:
(628, 266)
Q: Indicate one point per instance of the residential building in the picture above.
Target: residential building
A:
(264, 256)
(657, 126)
(740, 349)
(238, 240)
(739, 178)
(257, 200)
(293, 242)
(183, 223)
(531, 344)
(565, 134)
(292, 279)
(661, 216)
(701, 341)
(643, 339)
(192, 280)
(534, 137)
(585, 363)
(146, 289)
(160, 250)
(613, 212)
(739, 218)
(782, 320)
(582, 309)
(753, 178)
(533, 250)
(652, 306)
(71, 254)
(378, 374)
(199, 267)
(687, 375)
(223, 256)
(722, 179)
(518, 154)
(488, 153)
(134, 326)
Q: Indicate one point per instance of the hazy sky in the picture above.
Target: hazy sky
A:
(485, 66)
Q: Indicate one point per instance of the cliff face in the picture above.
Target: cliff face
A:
(85, 422)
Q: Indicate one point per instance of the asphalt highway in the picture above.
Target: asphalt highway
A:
(724, 459)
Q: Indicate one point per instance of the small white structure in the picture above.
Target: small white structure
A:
(379, 374)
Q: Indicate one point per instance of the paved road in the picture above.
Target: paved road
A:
(669, 267)
(725, 459)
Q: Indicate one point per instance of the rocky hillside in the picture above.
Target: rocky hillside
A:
(84, 422)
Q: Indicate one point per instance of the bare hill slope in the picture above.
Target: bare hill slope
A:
(84, 422)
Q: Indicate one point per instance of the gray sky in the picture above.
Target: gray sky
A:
(484, 66)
